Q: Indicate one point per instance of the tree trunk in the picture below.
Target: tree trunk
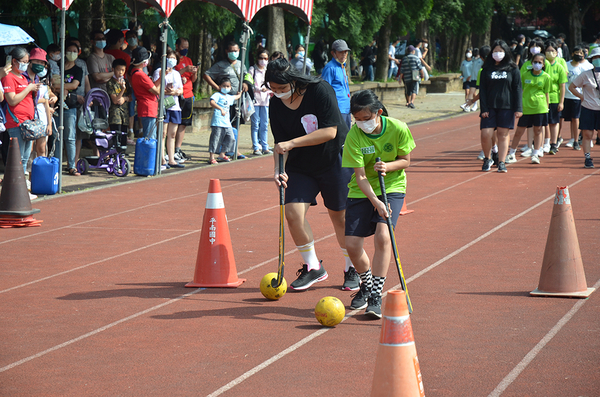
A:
(575, 19)
(205, 62)
(97, 15)
(85, 28)
(383, 44)
(276, 34)
(424, 33)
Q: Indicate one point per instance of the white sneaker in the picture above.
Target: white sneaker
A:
(546, 147)
(527, 153)
(474, 107)
(32, 196)
(591, 144)
(559, 142)
(511, 159)
(541, 153)
(28, 182)
(464, 107)
(481, 156)
(535, 160)
(166, 158)
(524, 148)
(570, 143)
(177, 156)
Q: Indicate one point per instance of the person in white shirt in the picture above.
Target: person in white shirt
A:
(572, 109)
(392, 57)
(262, 95)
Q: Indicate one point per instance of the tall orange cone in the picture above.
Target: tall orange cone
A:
(404, 210)
(215, 266)
(562, 268)
(15, 205)
(397, 371)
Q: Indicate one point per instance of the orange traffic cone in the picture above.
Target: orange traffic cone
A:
(397, 371)
(215, 266)
(562, 268)
(405, 211)
(15, 205)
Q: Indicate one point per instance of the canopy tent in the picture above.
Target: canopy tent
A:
(13, 35)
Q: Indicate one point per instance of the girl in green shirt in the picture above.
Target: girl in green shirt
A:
(558, 74)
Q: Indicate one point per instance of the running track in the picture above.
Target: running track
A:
(93, 303)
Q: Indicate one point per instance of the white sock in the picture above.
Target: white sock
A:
(495, 149)
(309, 256)
(535, 152)
(512, 151)
(546, 141)
(347, 258)
(571, 140)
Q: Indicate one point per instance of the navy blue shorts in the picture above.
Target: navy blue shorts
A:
(498, 118)
(362, 218)
(589, 120)
(173, 116)
(333, 185)
(473, 84)
(466, 85)
(572, 109)
(553, 114)
(531, 120)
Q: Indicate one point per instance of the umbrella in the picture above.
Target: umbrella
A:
(541, 33)
(13, 35)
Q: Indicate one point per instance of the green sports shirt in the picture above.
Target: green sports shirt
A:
(535, 89)
(558, 76)
(361, 150)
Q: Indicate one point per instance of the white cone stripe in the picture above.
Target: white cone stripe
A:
(214, 201)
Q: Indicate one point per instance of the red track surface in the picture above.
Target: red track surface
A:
(93, 302)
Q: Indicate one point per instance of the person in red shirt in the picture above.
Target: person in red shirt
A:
(189, 74)
(145, 92)
(115, 41)
(19, 93)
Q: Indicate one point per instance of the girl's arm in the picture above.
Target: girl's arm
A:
(561, 104)
(49, 116)
(316, 137)
(574, 91)
(367, 189)
(401, 163)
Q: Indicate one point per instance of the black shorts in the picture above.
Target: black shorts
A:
(533, 120)
(473, 84)
(572, 109)
(589, 120)
(553, 114)
(362, 218)
(410, 87)
(187, 110)
(498, 118)
(466, 85)
(333, 185)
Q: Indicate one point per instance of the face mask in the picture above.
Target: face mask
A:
(71, 56)
(42, 73)
(23, 66)
(367, 126)
(183, 52)
(284, 95)
(469, 55)
(133, 42)
(171, 62)
(550, 55)
(535, 50)
(233, 55)
(538, 66)
(596, 62)
(146, 62)
(140, 32)
(101, 44)
(301, 53)
(578, 58)
(55, 57)
(498, 56)
(37, 68)
(225, 90)
(425, 45)
(263, 62)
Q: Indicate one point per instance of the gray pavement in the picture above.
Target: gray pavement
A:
(428, 108)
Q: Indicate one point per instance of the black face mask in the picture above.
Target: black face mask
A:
(578, 58)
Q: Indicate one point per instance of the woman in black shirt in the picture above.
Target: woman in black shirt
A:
(310, 132)
(500, 97)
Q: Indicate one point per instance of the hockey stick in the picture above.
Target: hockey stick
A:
(276, 282)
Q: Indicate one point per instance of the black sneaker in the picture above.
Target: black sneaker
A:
(374, 306)
(576, 146)
(307, 278)
(182, 154)
(359, 299)
(502, 167)
(553, 149)
(589, 163)
(487, 164)
(495, 158)
(351, 280)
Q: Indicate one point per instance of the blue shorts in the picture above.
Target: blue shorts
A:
(362, 218)
(173, 116)
(589, 120)
(553, 114)
(498, 118)
(533, 120)
(572, 109)
(333, 185)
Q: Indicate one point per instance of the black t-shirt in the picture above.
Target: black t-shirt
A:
(500, 88)
(75, 73)
(368, 56)
(519, 51)
(319, 109)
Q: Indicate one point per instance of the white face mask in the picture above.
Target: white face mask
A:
(425, 45)
(171, 63)
(535, 50)
(225, 90)
(283, 95)
(498, 56)
(469, 55)
(367, 126)
(23, 66)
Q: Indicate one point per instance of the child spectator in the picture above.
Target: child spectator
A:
(221, 135)
(53, 52)
(120, 94)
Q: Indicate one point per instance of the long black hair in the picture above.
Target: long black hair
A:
(534, 43)
(366, 99)
(506, 63)
(279, 71)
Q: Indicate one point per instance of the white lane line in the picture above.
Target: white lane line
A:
(516, 371)
(465, 127)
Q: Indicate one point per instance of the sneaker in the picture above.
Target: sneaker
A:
(28, 183)
(502, 167)
(576, 146)
(351, 280)
(182, 154)
(481, 156)
(359, 299)
(546, 147)
(511, 159)
(524, 148)
(179, 158)
(495, 158)
(166, 157)
(33, 196)
(589, 163)
(257, 152)
(267, 151)
(570, 143)
(541, 154)
(553, 149)
(527, 153)
(307, 278)
(464, 106)
(535, 159)
(474, 107)
(591, 144)
(373, 306)
(487, 165)
(559, 142)
(411, 105)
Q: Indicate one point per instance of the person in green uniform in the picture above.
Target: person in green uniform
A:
(558, 75)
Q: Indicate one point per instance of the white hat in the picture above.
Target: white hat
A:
(594, 53)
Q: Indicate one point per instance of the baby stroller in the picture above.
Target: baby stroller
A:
(111, 144)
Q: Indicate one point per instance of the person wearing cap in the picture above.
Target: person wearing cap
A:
(411, 71)
(589, 119)
(189, 75)
(145, 92)
(99, 63)
(36, 71)
(335, 74)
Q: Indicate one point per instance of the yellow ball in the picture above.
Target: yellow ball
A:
(268, 291)
(330, 311)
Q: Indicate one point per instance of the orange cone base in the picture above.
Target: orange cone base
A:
(7, 221)
(577, 294)
(228, 285)
(404, 210)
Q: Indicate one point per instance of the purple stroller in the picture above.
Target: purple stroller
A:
(111, 144)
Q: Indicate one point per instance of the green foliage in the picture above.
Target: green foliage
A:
(407, 14)
(191, 16)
